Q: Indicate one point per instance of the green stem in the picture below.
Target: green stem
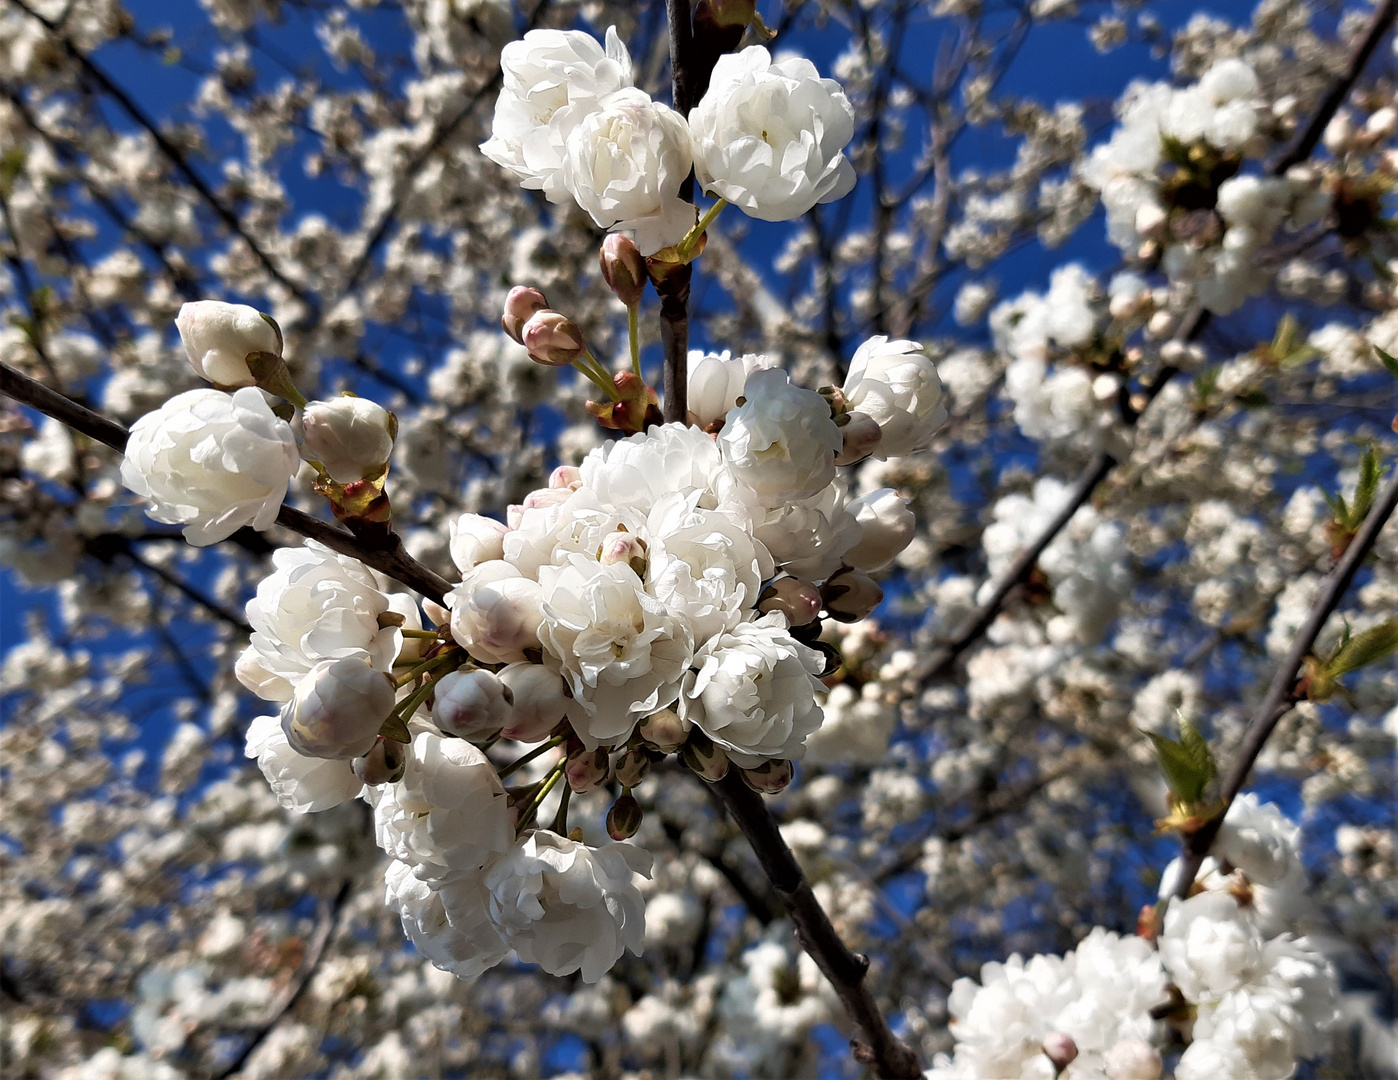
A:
(440, 660)
(560, 819)
(489, 742)
(538, 800)
(405, 708)
(426, 635)
(518, 763)
(589, 366)
(691, 239)
(633, 332)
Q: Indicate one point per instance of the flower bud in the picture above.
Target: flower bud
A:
(632, 767)
(770, 777)
(708, 760)
(1133, 1059)
(471, 704)
(624, 547)
(384, 764)
(543, 497)
(218, 338)
(850, 595)
(540, 701)
(475, 539)
(861, 434)
(586, 769)
(520, 306)
(624, 268)
(886, 527)
(337, 709)
(351, 437)
(566, 476)
(798, 600)
(624, 818)
(1061, 1050)
(552, 339)
(495, 612)
(663, 730)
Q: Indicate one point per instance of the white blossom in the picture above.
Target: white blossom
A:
(338, 708)
(300, 783)
(895, 383)
(781, 442)
(351, 437)
(218, 338)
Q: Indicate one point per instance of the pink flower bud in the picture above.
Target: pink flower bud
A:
(540, 701)
(471, 704)
(861, 434)
(566, 476)
(519, 306)
(624, 268)
(851, 595)
(1061, 1050)
(552, 339)
(769, 778)
(337, 709)
(624, 818)
(632, 767)
(384, 764)
(663, 730)
(798, 600)
(624, 547)
(704, 757)
(586, 769)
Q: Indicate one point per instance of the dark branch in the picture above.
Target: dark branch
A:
(845, 970)
(391, 559)
(1283, 693)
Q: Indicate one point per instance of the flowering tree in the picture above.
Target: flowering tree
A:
(751, 709)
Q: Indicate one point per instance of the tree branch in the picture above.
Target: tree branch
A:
(845, 970)
(1102, 465)
(1282, 694)
(392, 559)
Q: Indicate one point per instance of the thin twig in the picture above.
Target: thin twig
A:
(391, 559)
(878, 1047)
(1282, 694)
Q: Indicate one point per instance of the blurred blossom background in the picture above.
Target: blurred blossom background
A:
(161, 916)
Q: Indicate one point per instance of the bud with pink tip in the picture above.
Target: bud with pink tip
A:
(663, 730)
(520, 306)
(540, 701)
(624, 547)
(1061, 1050)
(495, 612)
(632, 767)
(566, 476)
(624, 818)
(586, 769)
(798, 600)
(337, 709)
(384, 764)
(769, 778)
(552, 339)
(471, 704)
(543, 497)
(851, 595)
(862, 435)
(624, 269)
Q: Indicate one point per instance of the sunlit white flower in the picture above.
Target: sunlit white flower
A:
(716, 383)
(781, 442)
(895, 383)
(495, 613)
(886, 527)
(212, 462)
(569, 907)
(449, 923)
(351, 437)
(768, 135)
(338, 708)
(1209, 945)
(300, 783)
(476, 539)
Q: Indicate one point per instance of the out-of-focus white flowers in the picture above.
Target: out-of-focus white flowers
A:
(212, 462)
(895, 384)
(769, 136)
(351, 437)
(218, 338)
(337, 709)
(568, 907)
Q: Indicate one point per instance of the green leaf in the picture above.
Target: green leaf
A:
(1188, 765)
(1371, 471)
(1388, 361)
(1364, 648)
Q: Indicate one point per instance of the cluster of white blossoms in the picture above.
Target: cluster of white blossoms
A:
(667, 595)
(1224, 976)
(768, 136)
(1171, 184)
